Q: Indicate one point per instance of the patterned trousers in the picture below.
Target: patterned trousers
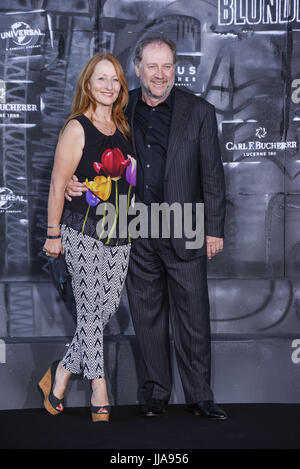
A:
(98, 275)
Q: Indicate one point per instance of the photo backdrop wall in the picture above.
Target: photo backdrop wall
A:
(240, 55)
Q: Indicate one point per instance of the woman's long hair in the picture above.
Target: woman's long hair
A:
(83, 98)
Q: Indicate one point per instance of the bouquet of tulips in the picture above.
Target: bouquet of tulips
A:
(113, 165)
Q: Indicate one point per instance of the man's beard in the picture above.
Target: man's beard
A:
(149, 93)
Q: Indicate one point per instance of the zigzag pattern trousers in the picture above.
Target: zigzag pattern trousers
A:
(98, 275)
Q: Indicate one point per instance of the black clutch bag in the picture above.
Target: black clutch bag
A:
(63, 282)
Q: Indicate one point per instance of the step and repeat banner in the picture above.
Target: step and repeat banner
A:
(240, 55)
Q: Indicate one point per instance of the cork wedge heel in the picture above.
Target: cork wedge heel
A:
(51, 403)
(100, 414)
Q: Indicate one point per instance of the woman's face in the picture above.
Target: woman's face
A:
(104, 84)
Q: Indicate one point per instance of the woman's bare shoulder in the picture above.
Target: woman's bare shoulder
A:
(74, 126)
(73, 129)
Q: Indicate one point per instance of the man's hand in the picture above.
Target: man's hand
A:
(213, 246)
(74, 188)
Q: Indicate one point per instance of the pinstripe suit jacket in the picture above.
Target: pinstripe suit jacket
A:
(194, 170)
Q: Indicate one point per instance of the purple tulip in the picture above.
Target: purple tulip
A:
(92, 199)
(131, 172)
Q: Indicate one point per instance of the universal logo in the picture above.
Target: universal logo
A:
(8, 199)
(185, 75)
(21, 35)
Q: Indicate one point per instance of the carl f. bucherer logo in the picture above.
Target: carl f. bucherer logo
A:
(250, 145)
(260, 132)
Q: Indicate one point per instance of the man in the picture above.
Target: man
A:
(175, 137)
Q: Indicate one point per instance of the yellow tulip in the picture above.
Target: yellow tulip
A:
(100, 186)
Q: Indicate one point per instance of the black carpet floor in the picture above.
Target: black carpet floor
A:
(254, 426)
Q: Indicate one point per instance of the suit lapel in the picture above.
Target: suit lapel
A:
(179, 121)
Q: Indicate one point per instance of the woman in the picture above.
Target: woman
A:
(93, 144)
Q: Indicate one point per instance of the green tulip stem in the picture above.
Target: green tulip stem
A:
(128, 203)
(128, 198)
(116, 216)
(85, 218)
(103, 220)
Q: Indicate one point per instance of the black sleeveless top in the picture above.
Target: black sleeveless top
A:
(108, 168)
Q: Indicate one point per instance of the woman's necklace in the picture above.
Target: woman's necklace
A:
(108, 129)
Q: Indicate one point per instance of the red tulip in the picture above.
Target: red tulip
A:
(112, 163)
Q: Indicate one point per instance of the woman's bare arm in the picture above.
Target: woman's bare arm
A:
(67, 157)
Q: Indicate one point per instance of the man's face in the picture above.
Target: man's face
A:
(156, 70)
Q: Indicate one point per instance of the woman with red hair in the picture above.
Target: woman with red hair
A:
(94, 144)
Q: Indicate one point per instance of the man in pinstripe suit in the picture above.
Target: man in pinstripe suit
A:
(176, 141)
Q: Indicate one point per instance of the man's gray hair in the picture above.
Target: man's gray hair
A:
(153, 40)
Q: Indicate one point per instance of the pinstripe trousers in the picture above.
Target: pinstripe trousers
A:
(98, 276)
(162, 287)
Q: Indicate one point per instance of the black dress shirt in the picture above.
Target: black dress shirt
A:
(151, 128)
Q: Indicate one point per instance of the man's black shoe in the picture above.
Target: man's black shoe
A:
(155, 407)
(208, 409)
